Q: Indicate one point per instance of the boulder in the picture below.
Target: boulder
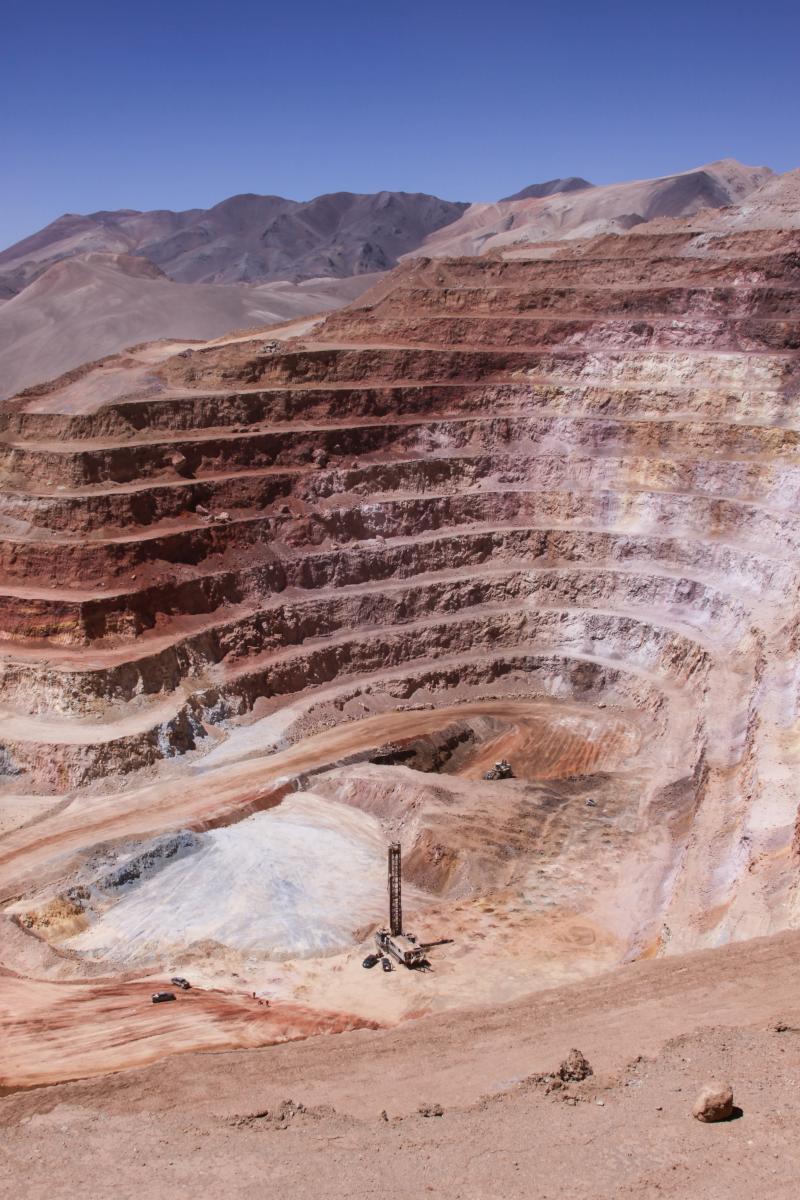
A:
(714, 1102)
(575, 1068)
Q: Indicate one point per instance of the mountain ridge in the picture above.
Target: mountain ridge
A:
(604, 208)
(246, 238)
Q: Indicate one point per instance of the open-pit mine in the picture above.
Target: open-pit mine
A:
(269, 604)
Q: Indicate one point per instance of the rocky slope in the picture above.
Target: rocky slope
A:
(774, 204)
(588, 211)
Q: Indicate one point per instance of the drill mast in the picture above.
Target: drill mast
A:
(395, 895)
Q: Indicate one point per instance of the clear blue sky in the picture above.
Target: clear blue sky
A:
(178, 105)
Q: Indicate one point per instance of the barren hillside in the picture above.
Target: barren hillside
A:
(585, 212)
(246, 239)
(86, 307)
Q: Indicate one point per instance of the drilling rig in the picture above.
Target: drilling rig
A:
(392, 941)
(395, 891)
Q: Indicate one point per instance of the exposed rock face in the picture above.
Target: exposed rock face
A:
(569, 479)
(714, 1103)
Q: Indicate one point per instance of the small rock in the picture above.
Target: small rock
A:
(780, 1027)
(575, 1068)
(223, 516)
(430, 1110)
(714, 1102)
(600, 1103)
(202, 511)
(384, 1115)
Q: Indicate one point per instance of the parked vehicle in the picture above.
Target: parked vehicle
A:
(162, 997)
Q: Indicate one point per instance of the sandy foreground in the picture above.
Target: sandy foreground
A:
(218, 1123)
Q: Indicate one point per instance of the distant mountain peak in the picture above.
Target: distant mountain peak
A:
(535, 191)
